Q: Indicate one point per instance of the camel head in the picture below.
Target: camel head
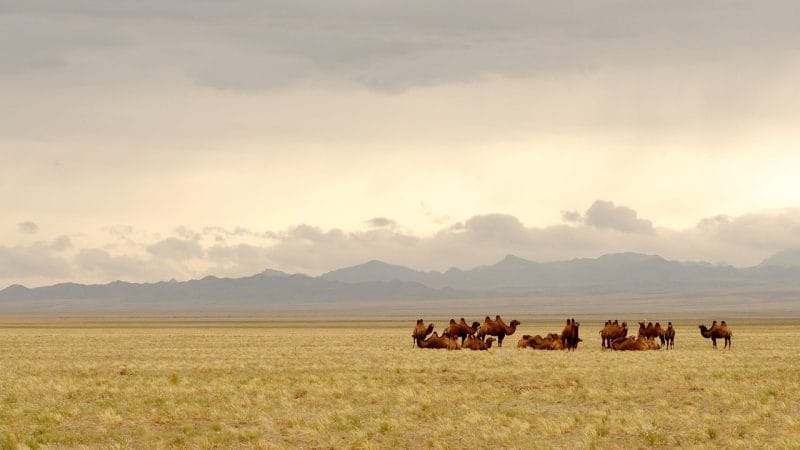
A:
(489, 342)
(702, 328)
(514, 323)
(475, 325)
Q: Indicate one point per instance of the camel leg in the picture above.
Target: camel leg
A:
(713, 342)
(500, 338)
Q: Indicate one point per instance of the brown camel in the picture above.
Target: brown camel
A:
(497, 328)
(669, 336)
(611, 331)
(721, 331)
(550, 342)
(474, 343)
(647, 331)
(461, 329)
(569, 336)
(630, 343)
(420, 331)
(525, 341)
(436, 341)
(659, 332)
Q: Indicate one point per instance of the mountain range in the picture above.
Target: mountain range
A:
(618, 276)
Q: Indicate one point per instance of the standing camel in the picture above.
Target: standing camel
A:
(569, 337)
(497, 328)
(612, 331)
(669, 336)
(420, 331)
(717, 332)
(461, 329)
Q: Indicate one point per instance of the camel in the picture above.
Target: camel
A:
(717, 332)
(550, 342)
(436, 341)
(497, 328)
(474, 343)
(647, 331)
(525, 341)
(461, 329)
(569, 337)
(658, 332)
(611, 331)
(669, 336)
(631, 343)
(420, 331)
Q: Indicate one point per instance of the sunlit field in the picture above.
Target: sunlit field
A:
(339, 384)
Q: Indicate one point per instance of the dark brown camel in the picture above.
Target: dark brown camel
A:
(721, 331)
(474, 343)
(569, 336)
(461, 329)
(436, 341)
(497, 328)
(611, 331)
(669, 336)
(420, 331)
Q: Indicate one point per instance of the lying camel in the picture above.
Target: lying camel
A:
(550, 342)
(461, 329)
(569, 336)
(436, 341)
(474, 343)
(631, 343)
(497, 328)
(611, 331)
(669, 336)
(420, 331)
(717, 332)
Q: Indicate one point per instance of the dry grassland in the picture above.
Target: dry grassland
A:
(363, 385)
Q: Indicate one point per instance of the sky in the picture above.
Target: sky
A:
(152, 140)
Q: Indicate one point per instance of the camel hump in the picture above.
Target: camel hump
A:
(452, 321)
(487, 319)
(723, 323)
(497, 317)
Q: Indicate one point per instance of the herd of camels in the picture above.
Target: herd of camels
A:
(613, 336)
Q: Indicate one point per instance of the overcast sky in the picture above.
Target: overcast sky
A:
(148, 140)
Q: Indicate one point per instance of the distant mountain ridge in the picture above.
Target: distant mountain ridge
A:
(375, 281)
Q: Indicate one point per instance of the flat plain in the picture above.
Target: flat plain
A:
(338, 384)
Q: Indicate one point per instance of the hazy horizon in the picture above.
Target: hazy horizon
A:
(154, 141)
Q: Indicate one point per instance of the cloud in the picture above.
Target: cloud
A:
(381, 222)
(28, 227)
(743, 240)
(37, 261)
(383, 45)
(571, 217)
(177, 249)
(603, 214)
